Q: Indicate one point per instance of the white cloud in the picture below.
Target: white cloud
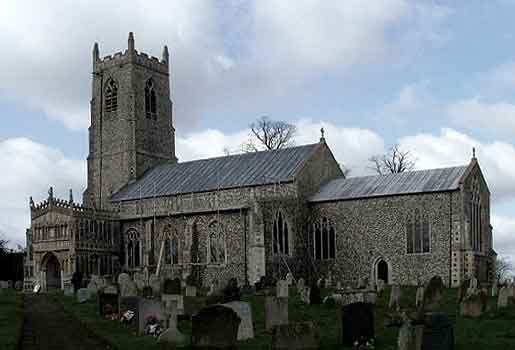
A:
(30, 168)
(237, 52)
(473, 114)
(504, 235)
(451, 148)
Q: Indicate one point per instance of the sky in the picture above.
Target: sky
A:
(435, 77)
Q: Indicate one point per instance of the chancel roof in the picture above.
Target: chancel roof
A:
(420, 181)
(241, 170)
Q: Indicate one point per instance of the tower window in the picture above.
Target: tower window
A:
(111, 96)
(150, 100)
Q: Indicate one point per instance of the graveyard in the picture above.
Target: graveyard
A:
(11, 318)
(493, 329)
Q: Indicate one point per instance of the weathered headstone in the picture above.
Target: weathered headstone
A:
(305, 293)
(419, 297)
(503, 298)
(433, 293)
(172, 286)
(244, 311)
(276, 312)
(215, 327)
(473, 305)
(148, 309)
(282, 289)
(178, 298)
(190, 291)
(172, 335)
(155, 283)
(300, 283)
(289, 278)
(394, 302)
(83, 295)
(295, 336)
(438, 332)
(107, 304)
(139, 280)
(128, 289)
(357, 324)
(130, 304)
(410, 335)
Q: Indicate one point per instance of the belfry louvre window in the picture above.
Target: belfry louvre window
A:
(150, 100)
(324, 240)
(111, 96)
(281, 244)
(417, 234)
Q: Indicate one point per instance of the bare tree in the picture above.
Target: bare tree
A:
(394, 161)
(269, 134)
(3, 244)
(504, 269)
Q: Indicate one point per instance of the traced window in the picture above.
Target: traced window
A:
(133, 249)
(324, 240)
(476, 222)
(150, 100)
(111, 96)
(216, 244)
(171, 248)
(417, 234)
(281, 244)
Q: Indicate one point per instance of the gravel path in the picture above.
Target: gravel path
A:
(47, 327)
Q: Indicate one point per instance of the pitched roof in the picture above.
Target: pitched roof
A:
(421, 181)
(241, 170)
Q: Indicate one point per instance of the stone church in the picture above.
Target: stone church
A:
(246, 215)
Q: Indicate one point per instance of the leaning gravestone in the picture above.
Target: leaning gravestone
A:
(438, 332)
(276, 312)
(395, 298)
(244, 311)
(433, 293)
(282, 289)
(357, 324)
(148, 309)
(172, 335)
(295, 336)
(83, 295)
(215, 327)
(473, 305)
(130, 304)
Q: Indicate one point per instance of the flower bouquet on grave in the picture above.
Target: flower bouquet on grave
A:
(364, 344)
(153, 327)
(127, 316)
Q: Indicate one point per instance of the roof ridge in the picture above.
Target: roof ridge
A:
(406, 172)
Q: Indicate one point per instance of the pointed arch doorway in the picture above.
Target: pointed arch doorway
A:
(382, 271)
(52, 271)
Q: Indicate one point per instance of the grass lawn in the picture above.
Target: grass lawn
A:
(11, 318)
(493, 331)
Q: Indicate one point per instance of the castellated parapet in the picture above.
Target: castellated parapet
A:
(131, 55)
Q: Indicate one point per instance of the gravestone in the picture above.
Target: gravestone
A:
(139, 280)
(215, 327)
(178, 298)
(282, 289)
(314, 295)
(110, 289)
(172, 286)
(147, 292)
(244, 311)
(305, 293)
(329, 281)
(231, 292)
(338, 285)
(410, 335)
(380, 285)
(130, 304)
(462, 293)
(295, 336)
(148, 309)
(107, 304)
(419, 297)
(503, 298)
(172, 335)
(4, 285)
(495, 288)
(395, 298)
(433, 293)
(191, 291)
(473, 287)
(18, 285)
(92, 287)
(68, 291)
(473, 305)
(300, 283)
(438, 332)
(289, 278)
(357, 324)
(276, 312)
(83, 295)
(155, 283)
(128, 289)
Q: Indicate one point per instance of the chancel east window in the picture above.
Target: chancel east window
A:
(111, 96)
(417, 233)
(281, 243)
(324, 240)
(476, 221)
(150, 100)
(216, 244)
(133, 249)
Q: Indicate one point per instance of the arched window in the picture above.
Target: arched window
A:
(216, 246)
(171, 248)
(281, 243)
(150, 100)
(324, 240)
(111, 96)
(133, 249)
(476, 222)
(417, 233)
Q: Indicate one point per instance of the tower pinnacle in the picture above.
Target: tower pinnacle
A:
(131, 42)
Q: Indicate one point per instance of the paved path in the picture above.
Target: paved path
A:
(47, 327)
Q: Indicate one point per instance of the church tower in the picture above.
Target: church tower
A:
(131, 121)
